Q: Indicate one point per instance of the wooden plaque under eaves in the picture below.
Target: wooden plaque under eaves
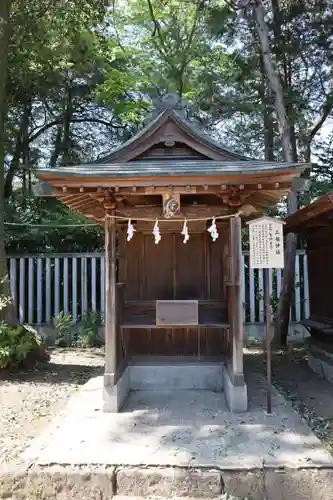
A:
(177, 313)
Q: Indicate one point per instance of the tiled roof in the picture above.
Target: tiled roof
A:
(172, 168)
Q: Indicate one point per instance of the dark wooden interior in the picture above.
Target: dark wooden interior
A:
(314, 224)
(173, 270)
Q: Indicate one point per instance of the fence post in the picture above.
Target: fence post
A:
(39, 290)
(74, 289)
(65, 285)
(30, 290)
(22, 291)
(306, 287)
(48, 290)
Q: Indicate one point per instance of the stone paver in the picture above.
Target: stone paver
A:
(169, 482)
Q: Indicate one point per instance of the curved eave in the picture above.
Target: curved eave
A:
(165, 169)
(78, 187)
(187, 127)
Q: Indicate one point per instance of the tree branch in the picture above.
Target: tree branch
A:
(157, 27)
(59, 121)
(326, 110)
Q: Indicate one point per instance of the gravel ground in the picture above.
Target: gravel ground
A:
(30, 400)
(310, 396)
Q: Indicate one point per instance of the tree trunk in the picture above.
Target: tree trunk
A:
(14, 167)
(25, 147)
(6, 308)
(283, 310)
(67, 138)
(57, 148)
(266, 98)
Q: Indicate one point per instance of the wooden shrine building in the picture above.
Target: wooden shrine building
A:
(314, 224)
(173, 310)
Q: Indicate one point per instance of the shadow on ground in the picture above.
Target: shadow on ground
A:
(66, 365)
(54, 373)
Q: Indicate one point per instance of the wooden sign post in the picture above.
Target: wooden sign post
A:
(266, 252)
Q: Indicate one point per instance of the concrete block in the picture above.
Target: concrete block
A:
(61, 484)
(114, 396)
(320, 366)
(244, 484)
(235, 395)
(178, 376)
(303, 484)
(168, 482)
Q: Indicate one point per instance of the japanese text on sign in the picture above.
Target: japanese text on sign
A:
(266, 243)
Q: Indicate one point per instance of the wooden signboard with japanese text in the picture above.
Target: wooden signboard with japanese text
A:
(266, 243)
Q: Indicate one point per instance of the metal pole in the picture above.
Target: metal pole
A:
(268, 341)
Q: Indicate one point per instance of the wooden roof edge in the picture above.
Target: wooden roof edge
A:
(142, 170)
(298, 222)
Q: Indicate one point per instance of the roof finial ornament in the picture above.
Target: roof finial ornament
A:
(169, 101)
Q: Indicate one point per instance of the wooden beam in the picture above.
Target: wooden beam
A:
(236, 298)
(191, 211)
(215, 188)
(107, 182)
(82, 204)
(110, 298)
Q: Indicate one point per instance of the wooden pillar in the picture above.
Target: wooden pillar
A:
(236, 364)
(110, 297)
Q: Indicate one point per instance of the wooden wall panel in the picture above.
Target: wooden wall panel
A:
(190, 267)
(158, 266)
(172, 269)
(320, 280)
(133, 267)
(159, 151)
(216, 268)
(177, 342)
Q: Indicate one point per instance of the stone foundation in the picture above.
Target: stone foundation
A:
(177, 376)
(115, 394)
(235, 392)
(321, 362)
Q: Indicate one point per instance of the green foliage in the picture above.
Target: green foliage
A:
(253, 342)
(4, 299)
(29, 210)
(60, 57)
(20, 346)
(89, 335)
(63, 324)
(81, 81)
(83, 334)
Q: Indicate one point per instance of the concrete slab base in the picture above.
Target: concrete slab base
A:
(153, 376)
(181, 375)
(191, 429)
(235, 395)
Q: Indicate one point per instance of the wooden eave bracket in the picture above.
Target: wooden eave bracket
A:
(109, 201)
